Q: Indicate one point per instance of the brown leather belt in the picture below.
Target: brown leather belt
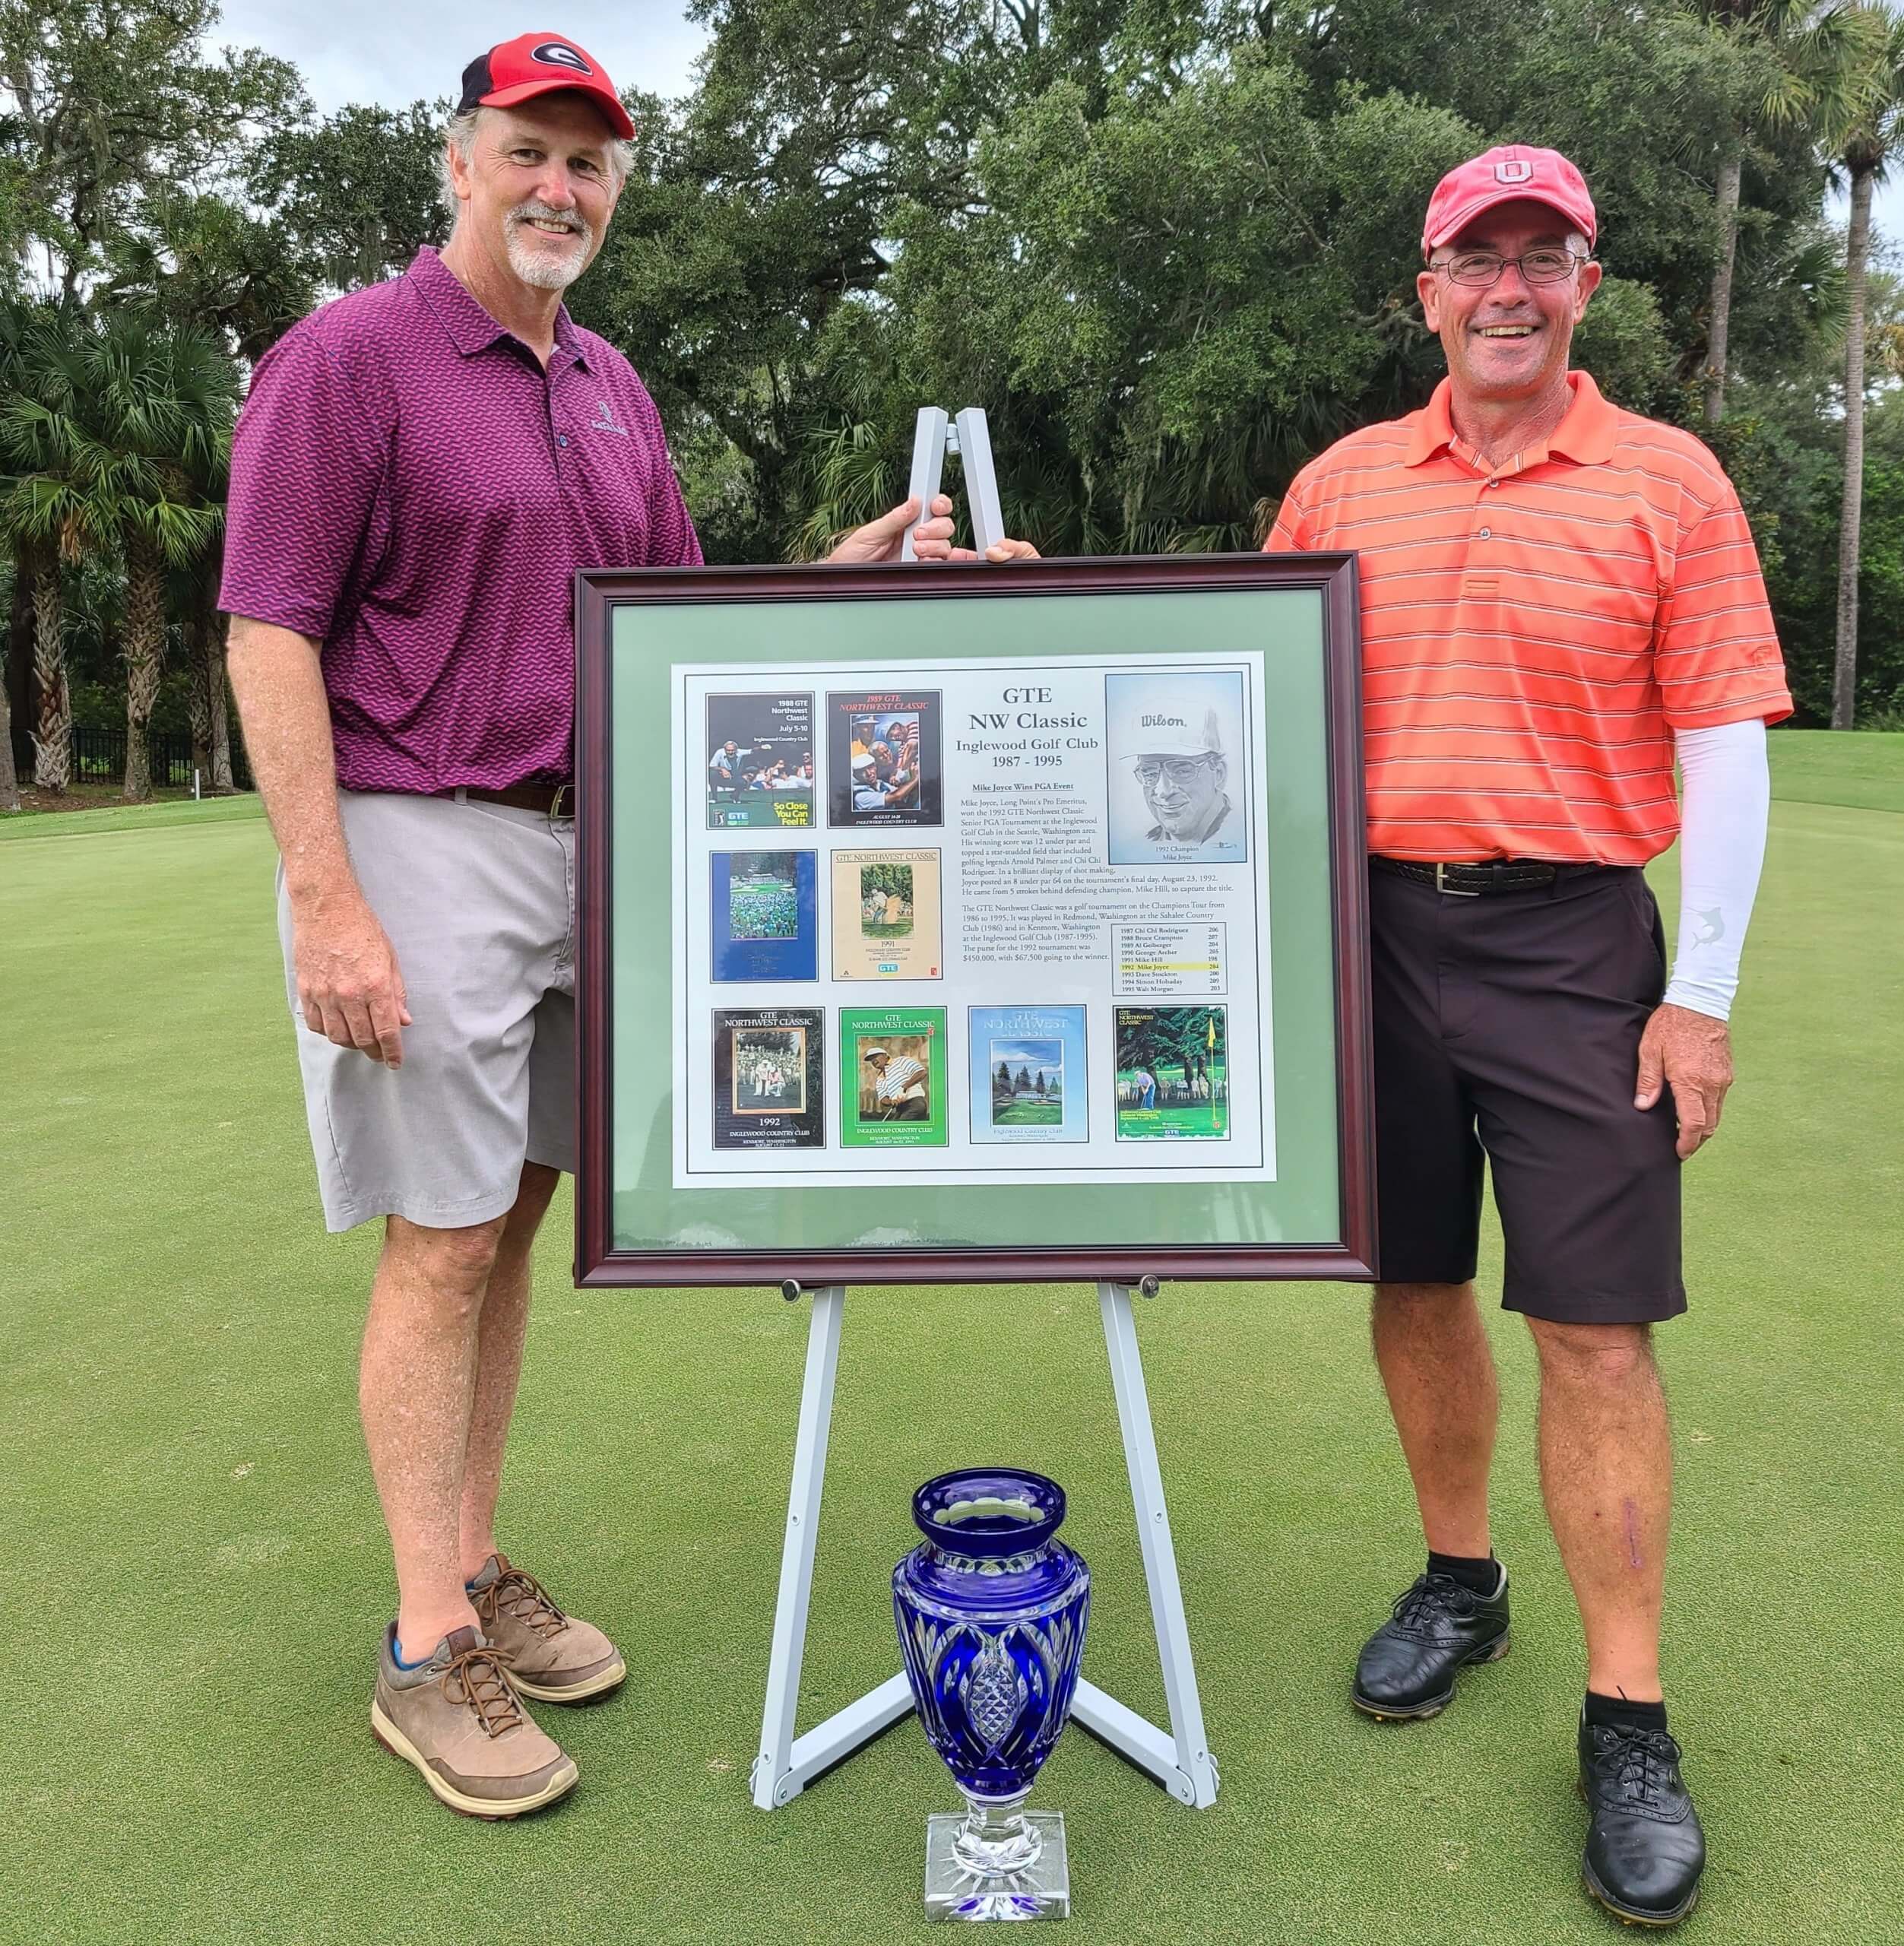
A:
(1493, 875)
(554, 800)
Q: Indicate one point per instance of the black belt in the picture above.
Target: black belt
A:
(554, 800)
(1477, 881)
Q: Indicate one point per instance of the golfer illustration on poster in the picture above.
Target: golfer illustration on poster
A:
(892, 1091)
(1173, 1074)
(886, 915)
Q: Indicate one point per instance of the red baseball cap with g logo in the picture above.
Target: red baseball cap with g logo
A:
(535, 63)
(1511, 174)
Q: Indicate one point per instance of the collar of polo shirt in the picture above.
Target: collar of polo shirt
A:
(1585, 435)
(466, 324)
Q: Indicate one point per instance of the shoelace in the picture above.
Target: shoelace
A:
(521, 1597)
(1433, 1596)
(479, 1676)
(1638, 1759)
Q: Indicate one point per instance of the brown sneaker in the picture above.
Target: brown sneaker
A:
(456, 1718)
(554, 1657)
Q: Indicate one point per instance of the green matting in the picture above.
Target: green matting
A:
(198, 1575)
(861, 637)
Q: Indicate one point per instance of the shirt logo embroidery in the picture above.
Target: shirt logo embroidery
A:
(559, 54)
(604, 420)
(1513, 171)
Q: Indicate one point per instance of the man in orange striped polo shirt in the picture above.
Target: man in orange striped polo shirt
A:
(1558, 598)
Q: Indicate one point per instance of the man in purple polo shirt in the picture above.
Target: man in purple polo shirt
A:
(418, 471)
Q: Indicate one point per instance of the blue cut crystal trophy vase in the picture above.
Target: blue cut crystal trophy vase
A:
(991, 1608)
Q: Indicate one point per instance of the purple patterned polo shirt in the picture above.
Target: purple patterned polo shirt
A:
(411, 489)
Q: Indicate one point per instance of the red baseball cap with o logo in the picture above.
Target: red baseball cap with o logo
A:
(535, 63)
(1511, 174)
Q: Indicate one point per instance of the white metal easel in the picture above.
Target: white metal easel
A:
(1178, 1758)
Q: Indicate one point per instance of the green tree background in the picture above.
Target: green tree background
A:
(1168, 245)
(1173, 1038)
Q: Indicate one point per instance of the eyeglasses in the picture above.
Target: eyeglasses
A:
(1483, 266)
(1179, 770)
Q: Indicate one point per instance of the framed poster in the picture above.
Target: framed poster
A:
(976, 924)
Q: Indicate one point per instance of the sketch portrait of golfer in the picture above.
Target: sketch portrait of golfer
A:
(1176, 755)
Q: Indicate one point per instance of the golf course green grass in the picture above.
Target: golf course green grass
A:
(1047, 1114)
(1196, 1121)
(198, 1575)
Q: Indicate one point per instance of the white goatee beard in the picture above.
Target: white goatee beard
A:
(536, 267)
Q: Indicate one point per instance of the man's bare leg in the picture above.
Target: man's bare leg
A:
(415, 1385)
(504, 1328)
(1439, 1371)
(1606, 1474)
(559, 1664)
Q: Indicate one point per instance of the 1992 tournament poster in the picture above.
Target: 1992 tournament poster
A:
(769, 1090)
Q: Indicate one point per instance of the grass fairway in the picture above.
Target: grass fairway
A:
(197, 1574)
(1864, 772)
(158, 815)
(1048, 1114)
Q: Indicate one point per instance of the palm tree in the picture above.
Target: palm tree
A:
(193, 594)
(1805, 63)
(1863, 147)
(9, 778)
(131, 430)
(42, 520)
(163, 403)
(13, 321)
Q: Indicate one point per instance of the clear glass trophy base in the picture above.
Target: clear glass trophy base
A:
(997, 1861)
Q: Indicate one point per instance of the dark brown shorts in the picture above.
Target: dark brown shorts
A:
(1507, 1035)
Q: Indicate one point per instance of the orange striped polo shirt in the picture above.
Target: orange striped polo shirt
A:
(1531, 636)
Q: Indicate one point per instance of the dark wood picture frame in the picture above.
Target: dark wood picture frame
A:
(597, 592)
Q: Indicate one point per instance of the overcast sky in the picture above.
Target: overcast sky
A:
(373, 50)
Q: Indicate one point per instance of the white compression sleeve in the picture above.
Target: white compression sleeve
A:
(1725, 798)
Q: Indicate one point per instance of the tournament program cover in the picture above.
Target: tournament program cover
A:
(886, 915)
(763, 918)
(883, 759)
(769, 1086)
(892, 1077)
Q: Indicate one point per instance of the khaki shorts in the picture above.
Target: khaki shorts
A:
(478, 900)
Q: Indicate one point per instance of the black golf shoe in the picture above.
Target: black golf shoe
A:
(1645, 1851)
(1407, 1667)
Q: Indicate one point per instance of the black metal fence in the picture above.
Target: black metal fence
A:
(98, 757)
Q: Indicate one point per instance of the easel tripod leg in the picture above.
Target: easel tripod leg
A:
(772, 1782)
(1195, 1778)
